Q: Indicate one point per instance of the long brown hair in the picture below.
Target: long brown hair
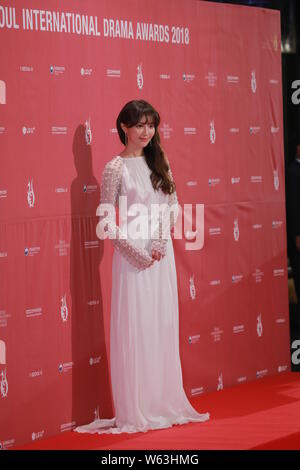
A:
(130, 115)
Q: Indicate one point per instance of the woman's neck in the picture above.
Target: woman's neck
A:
(132, 152)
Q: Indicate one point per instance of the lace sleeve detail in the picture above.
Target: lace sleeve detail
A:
(107, 227)
(166, 223)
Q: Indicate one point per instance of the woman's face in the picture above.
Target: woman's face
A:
(141, 133)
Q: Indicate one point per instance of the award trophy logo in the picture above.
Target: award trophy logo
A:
(259, 326)
(276, 180)
(236, 230)
(253, 82)
(64, 313)
(212, 132)
(192, 288)
(88, 132)
(30, 194)
(140, 78)
(220, 382)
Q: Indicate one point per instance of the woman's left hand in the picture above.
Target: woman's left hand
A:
(156, 255)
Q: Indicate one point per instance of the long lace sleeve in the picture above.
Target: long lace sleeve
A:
(166, 223)
(107, 227)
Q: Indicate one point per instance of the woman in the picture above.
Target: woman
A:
(146, 371)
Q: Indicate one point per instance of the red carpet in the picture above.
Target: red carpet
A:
(264, 414)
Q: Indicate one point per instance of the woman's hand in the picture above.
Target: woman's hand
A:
(156, 255)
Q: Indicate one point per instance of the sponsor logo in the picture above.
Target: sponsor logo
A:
(211, 78)
(241, 379)
(65, 367)
(7, 444)
(59, 130)
(258, 275)
(3, 193)
(33, 251)
(4, 316)
(85, 72)
(233, 79)
(37, 435)
(89, 188)
(65, 427)
(216, 333)
(57, 70)
(256, 226)
(214, 231)
(166, 131)
(238, 329)
(274, 130)
(261, 373)
(194, 339)
(278, 272)
(26, 68)
(273, 81)
(35, 373)
(256, 179)
(215, 282)
(191, 183)
(282, 368)
(165, 76)
(236, 278)
(61, 190)
(277, 224)
(190, 130)
(62, 247)
(94, 360)
(112, 73)
(197, 391)
(254, 130)
(213, 181)
(28, 130)
(188, 77)
(235, 180)
(92, 303)
(88, 245)
(33, 312)
(234, 130)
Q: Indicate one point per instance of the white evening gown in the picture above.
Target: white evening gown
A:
(145, 364)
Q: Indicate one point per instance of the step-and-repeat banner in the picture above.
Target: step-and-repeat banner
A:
(213, 71)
